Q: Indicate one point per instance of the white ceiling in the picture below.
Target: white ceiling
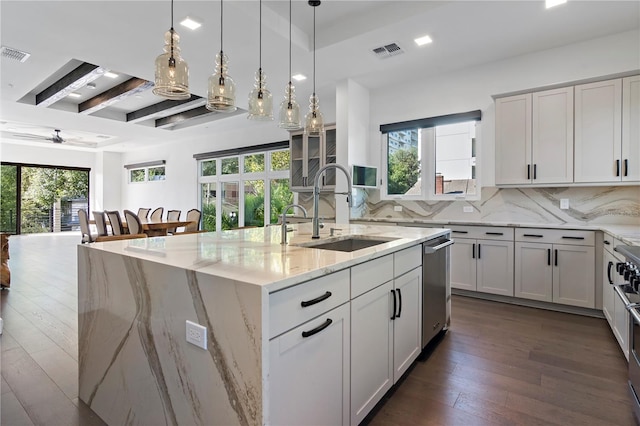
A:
(126, 36)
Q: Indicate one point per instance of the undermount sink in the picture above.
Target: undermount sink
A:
(347, 244)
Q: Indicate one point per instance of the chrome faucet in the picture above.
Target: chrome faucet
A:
(316, 194)
(283, 233)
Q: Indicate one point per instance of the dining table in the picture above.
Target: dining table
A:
(155, 228)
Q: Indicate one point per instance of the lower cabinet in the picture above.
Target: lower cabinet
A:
(310, 372)
(386, 338)
(613, 307)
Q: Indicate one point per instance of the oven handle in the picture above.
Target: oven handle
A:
(634, 313)
(623, 296)
(631, 307)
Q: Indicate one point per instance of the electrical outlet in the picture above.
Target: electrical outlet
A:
(467, 209)
(564, 203)
(397, 208)
(197, 334)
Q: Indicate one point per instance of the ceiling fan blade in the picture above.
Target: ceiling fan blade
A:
(30, 136)
(80, 143)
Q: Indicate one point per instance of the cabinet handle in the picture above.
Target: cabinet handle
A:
(494, 233)
(607, 242)
(556, 254)
(609, 266)
(617, 168)
(319, 299)
(528, 171)
(626, 167)
(535, 171)
(473, 251)
(393, 292)
(318, 329)
(479, 245)
(572, 238)
(532, 235)
(460, 232)
(399, 303)
(549, 257)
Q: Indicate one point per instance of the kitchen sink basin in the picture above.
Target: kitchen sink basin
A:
(347, 244)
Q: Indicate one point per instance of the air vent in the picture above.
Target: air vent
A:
(15, 54)
(387, 51)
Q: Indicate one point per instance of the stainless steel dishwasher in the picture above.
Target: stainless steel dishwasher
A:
(435, 287)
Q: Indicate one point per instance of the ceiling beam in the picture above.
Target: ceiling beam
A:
(76, 79)
(183, 116)
(130, 87)
(164, 108)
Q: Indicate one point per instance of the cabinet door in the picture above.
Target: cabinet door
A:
(621, 325)
(463, 264)
(314, 158)
(298, 165)
(598, 128)
(574, 275)
(495, 267)
(329, 147)
(371, 349)
(631, 128)
(552, 135)
(533, 271)
(608, 294)
(309, 376)
(407, 326)
(513, 139)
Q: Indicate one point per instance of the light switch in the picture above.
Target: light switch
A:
(397, 208)
(564, 203)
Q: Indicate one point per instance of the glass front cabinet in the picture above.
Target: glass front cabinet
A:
(308, 155)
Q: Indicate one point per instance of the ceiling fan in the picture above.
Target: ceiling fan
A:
(55, 138)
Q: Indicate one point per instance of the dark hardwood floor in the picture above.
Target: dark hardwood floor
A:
(499, 363)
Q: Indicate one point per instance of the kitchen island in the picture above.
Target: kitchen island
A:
(244, 287)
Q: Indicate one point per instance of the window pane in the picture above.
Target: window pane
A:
(280, 160)
(230, 202)
(208, 168)
(281, 197)
(230, 166)
(455, 159)
(254, 163)
(9, 199)
(254, 203)
(403, 167)
(137, 175)
(156, 173)
(208, 195)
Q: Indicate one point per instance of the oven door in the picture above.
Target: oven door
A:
(634, 360)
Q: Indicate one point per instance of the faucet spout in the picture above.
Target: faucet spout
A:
(316, 194)
(283, 233)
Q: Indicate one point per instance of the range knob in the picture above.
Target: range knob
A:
(630, 271)
(620, 266)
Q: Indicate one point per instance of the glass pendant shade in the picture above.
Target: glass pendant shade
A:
(260, 100)
(222, 89)
(172, 72)
(289, 110)
(314, 121)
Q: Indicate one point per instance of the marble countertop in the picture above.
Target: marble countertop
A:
(256, 256)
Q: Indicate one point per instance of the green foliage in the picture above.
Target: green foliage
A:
(156, 173)
(209, 168)
(254, 209)
(404, 170)
(254, 163)
(230, 166)
(281, 196)
(209, 217)
(8, 202)
(280, 160)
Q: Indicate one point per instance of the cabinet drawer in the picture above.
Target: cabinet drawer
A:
(484, 232)
(407, 259)
(371, 274)
(286, 309)
(556, 236)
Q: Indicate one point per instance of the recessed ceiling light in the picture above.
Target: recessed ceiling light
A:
(299, 77)
(190, 23)
(421, 41)
(110, 74)
(74, 95)
(552, 3)
(91, 86)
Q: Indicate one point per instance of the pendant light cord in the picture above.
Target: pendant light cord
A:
(221, 12)
(289, 104)
(314, 51)
(260, 42)
(172, 61)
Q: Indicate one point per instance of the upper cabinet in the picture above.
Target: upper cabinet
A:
(308, 155)
(534, 138)
(583, 134)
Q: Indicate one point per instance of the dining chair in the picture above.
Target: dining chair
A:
(116, 222)
(193, 216)
(143, 212)
(133, 222)
(156, 215)
(101, 223)
(87, 237)
(173, 215)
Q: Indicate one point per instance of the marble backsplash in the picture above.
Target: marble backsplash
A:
(587, 206)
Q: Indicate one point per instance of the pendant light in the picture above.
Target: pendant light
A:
(172, 72)
(289, 108)
(221, 95)
(313, 121)
(260, 98)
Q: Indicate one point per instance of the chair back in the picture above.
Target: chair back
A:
(116, 222)
(156, 215)
(84, 226)
(173, 215)
(133, 222)
(143, 213)
(193, 216)
(101, 223)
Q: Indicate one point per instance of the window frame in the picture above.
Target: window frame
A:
(146, 174)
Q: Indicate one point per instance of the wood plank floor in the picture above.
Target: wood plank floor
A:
(499, 364)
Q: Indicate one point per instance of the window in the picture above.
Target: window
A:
(431, 159)
(147, 174)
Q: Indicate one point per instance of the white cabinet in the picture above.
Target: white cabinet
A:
(310, 372)
(631, 129)
(484, 262)
(555, 266)
(534, 138)
(598, 131)
(308, 155)
(612, 306)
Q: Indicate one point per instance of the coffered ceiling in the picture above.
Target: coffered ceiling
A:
(63, 37)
